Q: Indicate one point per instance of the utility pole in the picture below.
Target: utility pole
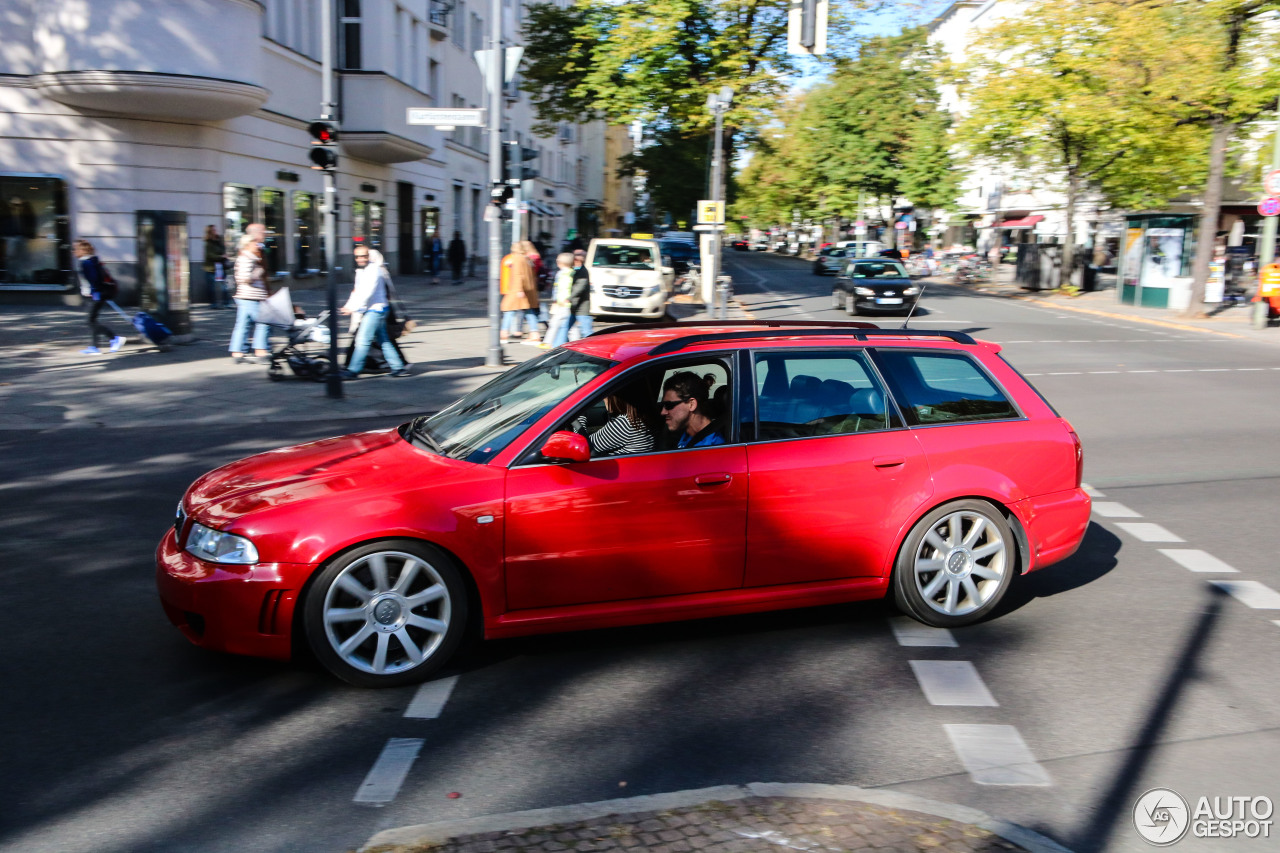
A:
(328, 112)
(493, 354)
(1267, 248)
(717, 103)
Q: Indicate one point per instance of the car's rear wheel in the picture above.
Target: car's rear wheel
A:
(850, 305)
(955, 565)
(386, 614)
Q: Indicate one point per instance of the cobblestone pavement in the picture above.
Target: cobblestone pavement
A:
(750, 825)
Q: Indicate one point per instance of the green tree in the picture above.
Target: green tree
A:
(675, 168)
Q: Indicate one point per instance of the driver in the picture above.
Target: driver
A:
(686, 409)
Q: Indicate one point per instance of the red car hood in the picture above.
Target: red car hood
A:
(306, 472)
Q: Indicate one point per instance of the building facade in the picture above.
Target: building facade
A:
(137, 125)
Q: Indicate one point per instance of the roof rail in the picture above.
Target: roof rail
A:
(764, 324)
(677, 344)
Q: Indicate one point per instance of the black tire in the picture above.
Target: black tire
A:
(925, 594)
(386, 611)
(851, 305)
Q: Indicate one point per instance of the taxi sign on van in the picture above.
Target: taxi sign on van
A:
(710, 212)
(638, 236)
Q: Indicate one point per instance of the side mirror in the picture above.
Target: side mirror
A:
(565, 446)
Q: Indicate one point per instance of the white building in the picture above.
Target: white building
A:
(198, 110)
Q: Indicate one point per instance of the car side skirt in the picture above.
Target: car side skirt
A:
(703, 605)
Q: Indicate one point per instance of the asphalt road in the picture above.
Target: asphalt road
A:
(1119, 670)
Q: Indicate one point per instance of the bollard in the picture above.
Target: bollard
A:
(724, 291)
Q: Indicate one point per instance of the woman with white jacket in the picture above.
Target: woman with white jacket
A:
(370, 297)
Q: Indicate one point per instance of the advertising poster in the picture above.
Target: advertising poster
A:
(1162, 260)
(1132, 256)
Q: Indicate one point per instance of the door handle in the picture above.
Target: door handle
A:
(889, 461)
(706, 480)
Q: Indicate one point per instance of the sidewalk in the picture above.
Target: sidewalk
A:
(1231, 320)
(45, 382)
(730, 819)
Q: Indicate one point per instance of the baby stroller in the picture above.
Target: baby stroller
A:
(302, 353)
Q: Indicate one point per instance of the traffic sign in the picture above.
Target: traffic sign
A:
(1271, 183)
(710, 212)
(445, 117)
(1269, 207)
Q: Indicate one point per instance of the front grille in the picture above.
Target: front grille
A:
(624, 309)
(621, 291)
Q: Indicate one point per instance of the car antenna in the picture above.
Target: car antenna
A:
(913, 306)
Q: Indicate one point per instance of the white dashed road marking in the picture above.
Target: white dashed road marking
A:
(1253, 594)
(1111, 509)
(996, 755)
(1195, 560)
(952, 682)
(388, 772)
(909, 632)
(430, 699)
(1091, 491)
(1145, 532)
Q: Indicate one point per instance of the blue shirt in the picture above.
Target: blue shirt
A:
(706, 438)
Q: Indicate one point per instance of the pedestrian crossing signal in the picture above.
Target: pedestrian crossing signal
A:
(324, 142)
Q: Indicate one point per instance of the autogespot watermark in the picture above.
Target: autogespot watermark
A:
(1162, 817)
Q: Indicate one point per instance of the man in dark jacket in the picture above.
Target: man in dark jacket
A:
(580, 323)
(457, 256)
(97, 289)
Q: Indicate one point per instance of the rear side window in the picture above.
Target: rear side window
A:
(811, 394)
(940, 388)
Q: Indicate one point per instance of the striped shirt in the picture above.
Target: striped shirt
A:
(619, 436)
(250, 277)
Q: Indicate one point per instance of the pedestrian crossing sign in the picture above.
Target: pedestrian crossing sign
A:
(710, 212)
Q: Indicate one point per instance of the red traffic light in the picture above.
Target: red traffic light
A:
(322, 133)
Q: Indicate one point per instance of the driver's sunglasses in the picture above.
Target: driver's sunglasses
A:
(362, 257)
(668, 405)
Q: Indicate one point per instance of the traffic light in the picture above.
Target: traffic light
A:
(517, 171)
(324, 139)
(500, 194)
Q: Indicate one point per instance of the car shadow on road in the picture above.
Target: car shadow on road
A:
(1097, 555)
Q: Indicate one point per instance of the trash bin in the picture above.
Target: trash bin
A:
(1090, 279)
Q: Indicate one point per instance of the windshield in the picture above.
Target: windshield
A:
(630, 257)
(481, 424)
(886, 269)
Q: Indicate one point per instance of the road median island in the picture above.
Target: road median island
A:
(727, 819)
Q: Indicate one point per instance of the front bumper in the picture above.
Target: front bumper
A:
(648, 306)
(246, 610)
(872, 303)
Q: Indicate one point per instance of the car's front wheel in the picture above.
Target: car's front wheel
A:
(955, 565)
(386, 614)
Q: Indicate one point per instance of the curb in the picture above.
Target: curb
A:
(441, 831)
(1184, 327)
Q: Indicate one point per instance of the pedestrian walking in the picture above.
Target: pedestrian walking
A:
(435, 257)
(541, 279)
(581, 324)
(250, 277)
(99, 287)
(370, 298)
(457, 256)
(519, 296)
(561, 297)
(215, 267)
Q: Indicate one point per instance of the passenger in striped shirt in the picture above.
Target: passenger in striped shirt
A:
(628, 429)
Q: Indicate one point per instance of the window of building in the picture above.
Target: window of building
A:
(272, 216)
(349, 35)
(458, 134)
(35, 231)
(937, 388)
(477, 32)
(367, 222)
(238, 210)
(433, 81)
(459, 32)
(308, 234)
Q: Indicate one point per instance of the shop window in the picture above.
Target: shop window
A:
(34, 231)
(367, 222)
(308, 236)
(273, 255)
(239, 204)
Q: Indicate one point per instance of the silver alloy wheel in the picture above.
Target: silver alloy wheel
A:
(387, 612)
(960, 563)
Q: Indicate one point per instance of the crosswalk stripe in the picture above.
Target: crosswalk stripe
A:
(389, 771)
(429, 701)
(909, 632)
(1195, 560)
(952, 682)
(1253, 594)
(996, 755)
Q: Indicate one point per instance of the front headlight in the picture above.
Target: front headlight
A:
(652, 290)
(218, 547)
(911, 291)
(864, 291)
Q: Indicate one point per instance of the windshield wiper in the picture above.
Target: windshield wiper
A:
(418, 429)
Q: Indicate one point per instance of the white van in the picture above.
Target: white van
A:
(629, 277)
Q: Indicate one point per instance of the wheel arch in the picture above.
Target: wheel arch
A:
(1010, 517)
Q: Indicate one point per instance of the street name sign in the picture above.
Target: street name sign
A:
(1271, 183)
(446, 117)
(710, 212)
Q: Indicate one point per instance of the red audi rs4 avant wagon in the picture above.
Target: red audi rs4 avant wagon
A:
(647, 474)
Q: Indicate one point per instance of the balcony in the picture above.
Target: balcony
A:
(374, 126)
(438, 12)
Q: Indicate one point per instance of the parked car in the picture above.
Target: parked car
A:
(874, 284)
(831, 463)
(629, 277)
(681, 252)
(861, 248)
(830, 261)
(760, 244)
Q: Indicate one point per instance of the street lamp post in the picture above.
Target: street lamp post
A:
(497, 58)
(333, 382)
(718, 103)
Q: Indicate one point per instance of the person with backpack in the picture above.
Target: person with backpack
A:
(99, 287)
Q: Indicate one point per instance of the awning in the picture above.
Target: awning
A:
(1024, 222)
(537, 207)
